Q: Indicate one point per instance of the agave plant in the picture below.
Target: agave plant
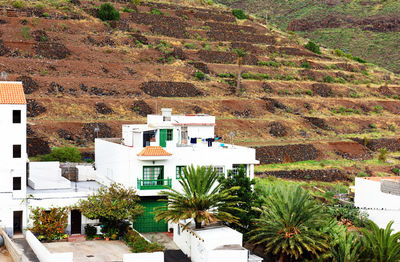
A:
(201, 199)
(290, 225)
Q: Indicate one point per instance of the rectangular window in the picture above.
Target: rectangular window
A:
(16, 151)
(153, 175)
(219, 170)
(16, 183)
(179, 170)
(235, 168)
(16, 116)
(169, 134)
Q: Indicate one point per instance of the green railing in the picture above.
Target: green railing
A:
(152, 184)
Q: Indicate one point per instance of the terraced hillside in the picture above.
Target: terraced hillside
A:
(84, 78)
(368, 29)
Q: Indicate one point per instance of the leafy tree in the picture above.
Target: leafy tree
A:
(240, 54)
(108, 12)
(313, 47)
(290, 224)
(49, 224)
(62, 154)
(201, 200)
(112, 206)
(381, 244)
(245, 193)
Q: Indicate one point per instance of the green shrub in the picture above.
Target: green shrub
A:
(382, 154)
(378, 109)
(392, 128)
(200, 75)
(139, 245)
(340, 80)
(313, 47)
(354, 94)
(128, 10)
(239, 14)
(155, 11)
(90, 231)
(358, 59)
(269, 63)
(136, 2)
(227, 75)
(396, 171)
(305, 65)
(206, 46)
(108, 12)
(256, 76)
(26, 32)
(190, 46)
(362, 174)
(17, 4)
(309, 92)
(328, 79)
(372, 125)
(62, 154)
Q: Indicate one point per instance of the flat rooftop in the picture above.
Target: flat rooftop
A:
(378, 179)
(80, 187)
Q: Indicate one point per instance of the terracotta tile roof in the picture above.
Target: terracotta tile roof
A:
(12, 93)
(154, 151)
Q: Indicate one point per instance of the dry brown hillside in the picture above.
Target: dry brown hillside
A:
(80, 73)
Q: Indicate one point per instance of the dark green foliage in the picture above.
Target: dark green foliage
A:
(256, 76)
(138, 244)
(342, 212)
(227, 75)
(313, 47)
(90, 231)
(246, 194)
(155, 11)
(358, 59)
(107, 12)
(239, 14)
(329, 79)
(269, 63)
(200, 75)
(62, 154)
(305, 65)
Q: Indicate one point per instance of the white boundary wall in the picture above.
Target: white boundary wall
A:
(381, 207)
(145, 257)
(43, 254)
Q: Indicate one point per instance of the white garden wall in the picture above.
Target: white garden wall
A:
(145, 257)
(43, 254)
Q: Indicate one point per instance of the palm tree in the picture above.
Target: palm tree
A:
(290, 225)
(381, 243)
(201, 200)
(346, 247)
(240, 53)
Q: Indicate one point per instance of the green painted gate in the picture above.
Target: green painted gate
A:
(146, 223)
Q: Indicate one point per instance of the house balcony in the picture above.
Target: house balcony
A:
(154, 184)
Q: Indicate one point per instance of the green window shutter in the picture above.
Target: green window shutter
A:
(163, 137)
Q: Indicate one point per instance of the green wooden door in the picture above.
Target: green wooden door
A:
(163, 137)
(146, 223)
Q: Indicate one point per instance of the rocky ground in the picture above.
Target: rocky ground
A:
(80, 74)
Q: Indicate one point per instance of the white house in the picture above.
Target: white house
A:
(380, 198)
(150, 156)
(13, 157)
(212, 244)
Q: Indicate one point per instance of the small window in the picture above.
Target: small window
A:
(16, 116)
(16, 183)
(169, 135)
(219, 170)
(179, 170)
(16, 151)
(236, 167)
(179, 230)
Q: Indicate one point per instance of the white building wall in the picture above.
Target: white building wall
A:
(368, 196)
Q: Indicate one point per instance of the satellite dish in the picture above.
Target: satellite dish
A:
(4, 75)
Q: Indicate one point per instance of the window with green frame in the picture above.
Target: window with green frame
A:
(169, 134)
(179, 170)
(153, 172)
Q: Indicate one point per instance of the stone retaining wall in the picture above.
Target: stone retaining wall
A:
(286, 154)
(326, 175)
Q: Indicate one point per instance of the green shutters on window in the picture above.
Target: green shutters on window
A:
(179, 170)
(165, 135)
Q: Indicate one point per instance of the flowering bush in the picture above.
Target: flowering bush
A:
(140, 245)
(50, 224)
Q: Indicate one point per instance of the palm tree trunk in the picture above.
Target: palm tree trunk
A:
(198, 224)
(282, 258)
(238, 80)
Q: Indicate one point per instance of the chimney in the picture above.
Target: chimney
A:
(166, 114)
